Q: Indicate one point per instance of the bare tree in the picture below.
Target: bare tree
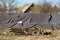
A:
(7, 5)
(45, 7)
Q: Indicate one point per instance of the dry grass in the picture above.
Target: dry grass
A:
(56, 33)
(6, 35)
(33, 37)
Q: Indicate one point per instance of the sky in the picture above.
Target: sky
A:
(21, 2)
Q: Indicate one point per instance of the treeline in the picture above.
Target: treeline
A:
(48, 8)
(45, 8)
(10, 6)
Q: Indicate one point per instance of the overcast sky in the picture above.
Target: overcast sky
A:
(21, 2)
